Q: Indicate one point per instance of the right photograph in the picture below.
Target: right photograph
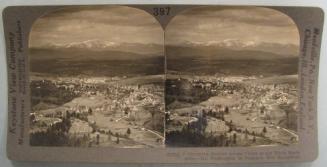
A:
(231, 78)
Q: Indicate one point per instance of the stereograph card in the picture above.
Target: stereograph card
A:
(162, 83)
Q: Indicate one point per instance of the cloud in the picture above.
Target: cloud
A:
(121, 24)
(214, 23)
(108, 23)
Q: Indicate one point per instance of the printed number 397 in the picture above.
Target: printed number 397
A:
(161, 11)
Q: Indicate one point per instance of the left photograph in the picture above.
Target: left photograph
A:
(97, 78)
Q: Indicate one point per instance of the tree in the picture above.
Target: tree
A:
(128, 131)
(210, 112)
(234, 138)
(117, 135)
(117, 141)
(67, 114)
(90, 111)
(98, 139)
(264, 130)
(167, 116)
(262, 109)
(226, 110)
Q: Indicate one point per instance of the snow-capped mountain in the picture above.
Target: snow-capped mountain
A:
(225, 43)
(100, 45)
(88, 44)
(235, 44)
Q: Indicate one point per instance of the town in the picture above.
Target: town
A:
(98, 111)
(231, 111)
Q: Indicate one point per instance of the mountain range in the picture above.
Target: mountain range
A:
(99, 45)
(236, 44)
(141, 48)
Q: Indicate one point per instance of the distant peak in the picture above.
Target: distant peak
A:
(88, 44)
(225, 43)
(236, 44)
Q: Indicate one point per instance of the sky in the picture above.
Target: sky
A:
(246, 24)
(115, 24)
(119, 24)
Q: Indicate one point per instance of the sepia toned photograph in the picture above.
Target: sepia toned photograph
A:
(110, 76)
(97, 78)
(232, 78)
(162, 83)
